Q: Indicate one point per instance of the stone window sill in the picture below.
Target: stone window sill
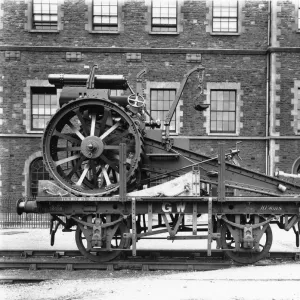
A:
(223, 134)
(104, 32)
(43, 31)
(225, 33)
(163, 33)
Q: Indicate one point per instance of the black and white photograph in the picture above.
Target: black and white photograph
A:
(149, 149)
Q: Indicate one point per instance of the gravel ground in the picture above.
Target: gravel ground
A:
(250, 282)
(267, 283)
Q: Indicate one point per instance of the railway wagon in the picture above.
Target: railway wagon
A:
(106, 154)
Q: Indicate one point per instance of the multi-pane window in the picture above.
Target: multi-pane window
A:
(164, 16)
(299, 16)
(225, 16)
(223, 111)
(44, 14)
(105, 15)
(43, 106)
(37, 172)
(298, 112)
(161, 101)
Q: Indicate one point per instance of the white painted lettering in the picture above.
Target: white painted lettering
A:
(166, 207)
(181, 207)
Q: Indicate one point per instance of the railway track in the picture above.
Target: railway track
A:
(146, 260)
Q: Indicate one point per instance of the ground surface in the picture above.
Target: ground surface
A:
(249, 282)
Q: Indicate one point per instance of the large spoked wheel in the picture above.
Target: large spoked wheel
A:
(99, 253)
(80, 146)
(246, 255)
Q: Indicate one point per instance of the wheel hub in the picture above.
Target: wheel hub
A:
(92, 147)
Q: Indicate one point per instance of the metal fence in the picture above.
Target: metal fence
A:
(13, 220)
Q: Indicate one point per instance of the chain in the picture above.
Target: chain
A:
(201, 79)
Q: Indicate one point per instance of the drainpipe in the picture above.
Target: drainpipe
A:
(268, 91)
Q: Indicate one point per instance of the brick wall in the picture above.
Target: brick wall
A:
(252, 152)
(243, 61)
(14, 152)
(135, 19)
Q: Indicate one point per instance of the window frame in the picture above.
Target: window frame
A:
(44, 172)
(162, 25)
(240, 18)
(179, 109)
(297, 16)
(42, 13)
(296, 109)
(239, 105)
(223, 111)
(40, 91)
(93, 15)
(89, 18)
(29, 13)
(27, 101)
(228, 18)
(159, 110)
(179, 20)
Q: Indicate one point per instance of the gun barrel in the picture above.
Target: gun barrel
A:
(100, 81)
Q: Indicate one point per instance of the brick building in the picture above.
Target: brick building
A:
(250, 51)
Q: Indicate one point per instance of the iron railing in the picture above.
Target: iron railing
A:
(13, 220)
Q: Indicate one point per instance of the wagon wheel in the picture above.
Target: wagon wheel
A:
(98, 254)
(246, 255)
(80, 146)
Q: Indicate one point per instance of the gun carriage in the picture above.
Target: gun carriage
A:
(104, 154)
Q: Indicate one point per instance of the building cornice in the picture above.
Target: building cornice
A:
(133, 50)
(195, 137)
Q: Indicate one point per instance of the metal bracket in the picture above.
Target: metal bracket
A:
(196, 184)
(122, 173)
(289, 223)
(91, 78)
(209, 227)
(172, 232)
(150, 217)
(133, 236)
(221, 177)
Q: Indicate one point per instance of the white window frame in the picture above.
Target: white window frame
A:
(167, 86)
(224, 86)
(209, 19)
(27, 101)
(296, 102)
(148, 27)
(29, 13)
(89, 15)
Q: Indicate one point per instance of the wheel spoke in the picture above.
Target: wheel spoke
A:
(73, 137)
(93, 124)
(85, 170)
(83, 124)
(66, 137)
(111, 147)
(75, 130)
(76, 167)
(109, 131)
(65, 160)
(104, 172)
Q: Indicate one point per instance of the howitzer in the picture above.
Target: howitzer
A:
(105, 159)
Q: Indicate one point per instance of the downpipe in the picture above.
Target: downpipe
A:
(26, 206)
